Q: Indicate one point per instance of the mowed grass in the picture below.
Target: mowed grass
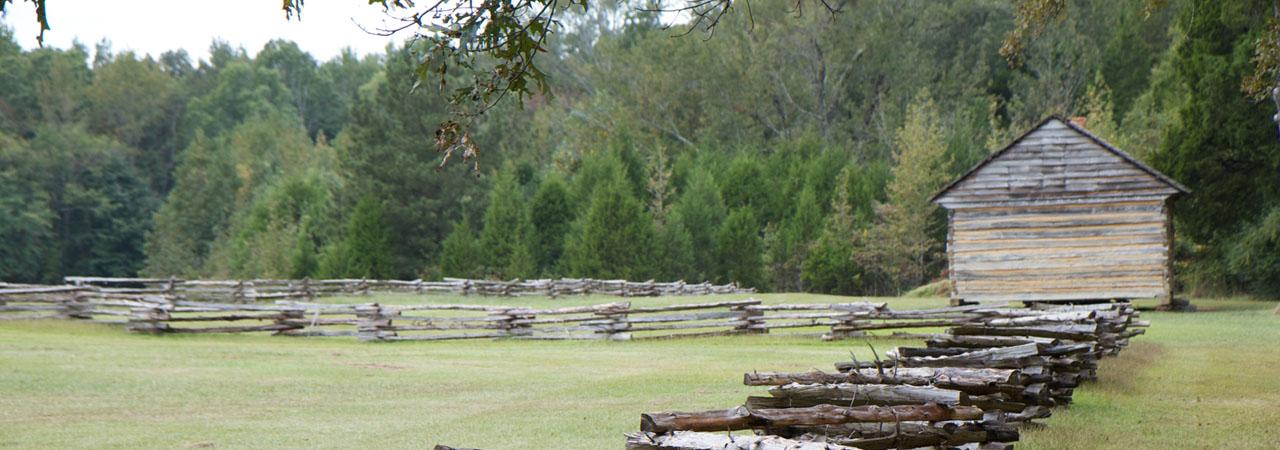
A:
(1205, 380)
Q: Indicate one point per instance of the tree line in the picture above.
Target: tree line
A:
(792, 153)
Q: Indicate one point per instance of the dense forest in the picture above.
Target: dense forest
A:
(789, 152)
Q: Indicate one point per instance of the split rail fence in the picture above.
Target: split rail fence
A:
(971, 387)
(308, 289)
(164, 313)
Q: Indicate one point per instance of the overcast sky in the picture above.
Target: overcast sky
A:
(154, 26)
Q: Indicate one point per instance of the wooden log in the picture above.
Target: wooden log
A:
(441, 337)
(27, 308)
(948, 340)
(742, 418)
(694, 306)
(876, 436)
(684, 317)
(34, 317)
(42, 290)
(1073, 332)
(765, 326)
(992, 357)
(1030, 413)
(995, 402)
(318, 333)
(1054, 318)
(969, 381)
(243, 329)
(229, 317)
(686, 335)
(693, 440)
(956, 361)
(876, 394)
(904, 324)
(732, 324)
(866, 307)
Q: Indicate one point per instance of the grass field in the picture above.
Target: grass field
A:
(1204, 380)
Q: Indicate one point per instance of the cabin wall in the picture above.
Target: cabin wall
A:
(1063, 251)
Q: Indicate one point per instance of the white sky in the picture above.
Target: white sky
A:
(154, 26)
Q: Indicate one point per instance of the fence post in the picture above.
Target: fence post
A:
(372, 324)
(615, 319)
(306, 289)
(152, 318)
(506, 321)
(74, 305)
(847, 326)
(754, 318)
(293, 318)
(363, 287)
(171, 286)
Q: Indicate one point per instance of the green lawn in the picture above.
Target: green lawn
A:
(1210, 379)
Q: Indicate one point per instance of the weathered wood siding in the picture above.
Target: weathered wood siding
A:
(1058, 216)
(1060, 252)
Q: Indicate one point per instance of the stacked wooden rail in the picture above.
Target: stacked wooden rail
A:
(430, 322)
(29, 302)
(160, 311)
(612, 321)
(969, 388)
(307, 289)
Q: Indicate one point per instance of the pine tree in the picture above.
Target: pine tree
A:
(674, 247)
(366, 249)
(700, 211)
(787, 243)
(506, 228)
(522, 263)
(551, 214)
(745, 183)
(829, 265)
(739, 249)
(460, 254)
(614, 239)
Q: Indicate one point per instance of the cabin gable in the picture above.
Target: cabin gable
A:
(1054, 163)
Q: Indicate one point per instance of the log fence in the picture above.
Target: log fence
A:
(970, 387)
(308, 289)
(166, 310)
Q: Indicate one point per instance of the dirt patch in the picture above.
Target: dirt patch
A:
(200, 445)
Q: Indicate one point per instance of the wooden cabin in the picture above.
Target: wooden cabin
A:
(1059, 215)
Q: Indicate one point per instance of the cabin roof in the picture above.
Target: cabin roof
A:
(1102, 143)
